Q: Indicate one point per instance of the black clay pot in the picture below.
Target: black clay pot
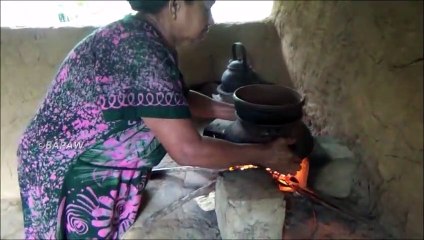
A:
(265, 104)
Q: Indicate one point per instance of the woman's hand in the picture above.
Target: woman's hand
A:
(280, 158)
(184, 144)
(203, 106)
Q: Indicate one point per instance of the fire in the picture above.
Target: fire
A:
(301, 176)
(242, 167)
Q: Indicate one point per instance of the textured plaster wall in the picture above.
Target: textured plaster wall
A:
(30, 58)
(361, 66)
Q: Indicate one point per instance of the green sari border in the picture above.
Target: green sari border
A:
(135, 113)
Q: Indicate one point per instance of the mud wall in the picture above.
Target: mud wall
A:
(360, 64)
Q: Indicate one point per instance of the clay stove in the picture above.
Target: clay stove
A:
(241, 131)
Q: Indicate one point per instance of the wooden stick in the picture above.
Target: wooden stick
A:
(176, 204)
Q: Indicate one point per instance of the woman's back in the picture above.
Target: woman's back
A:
(114, 69)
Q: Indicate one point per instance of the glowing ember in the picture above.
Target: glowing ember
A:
(242, 167)
(301, 176)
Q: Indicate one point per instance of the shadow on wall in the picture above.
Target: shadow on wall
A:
(30, 58)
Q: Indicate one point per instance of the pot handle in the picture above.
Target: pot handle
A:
(243, 53)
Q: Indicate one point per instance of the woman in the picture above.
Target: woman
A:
(117, 104)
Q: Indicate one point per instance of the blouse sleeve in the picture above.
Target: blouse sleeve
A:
(142, 81)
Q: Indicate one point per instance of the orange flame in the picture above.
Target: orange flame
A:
(301, 175)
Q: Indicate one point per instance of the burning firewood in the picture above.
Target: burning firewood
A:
(300, 177)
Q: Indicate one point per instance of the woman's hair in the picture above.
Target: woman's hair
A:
(149, 6)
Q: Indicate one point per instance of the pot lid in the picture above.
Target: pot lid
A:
(238, 65)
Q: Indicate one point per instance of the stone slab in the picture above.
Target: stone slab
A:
(336, 171)
(249, 205)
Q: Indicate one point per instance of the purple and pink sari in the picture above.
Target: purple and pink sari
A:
(86, 156)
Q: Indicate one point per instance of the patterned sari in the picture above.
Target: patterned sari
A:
(86, 156)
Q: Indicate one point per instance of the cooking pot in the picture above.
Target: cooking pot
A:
(266, 104)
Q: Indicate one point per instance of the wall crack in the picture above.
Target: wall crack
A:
(401, 157)
(415, 61)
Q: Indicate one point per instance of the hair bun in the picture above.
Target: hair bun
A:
(148, 6)
(136, 5)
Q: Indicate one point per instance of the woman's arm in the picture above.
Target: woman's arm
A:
(184, 144)
(202, 106)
